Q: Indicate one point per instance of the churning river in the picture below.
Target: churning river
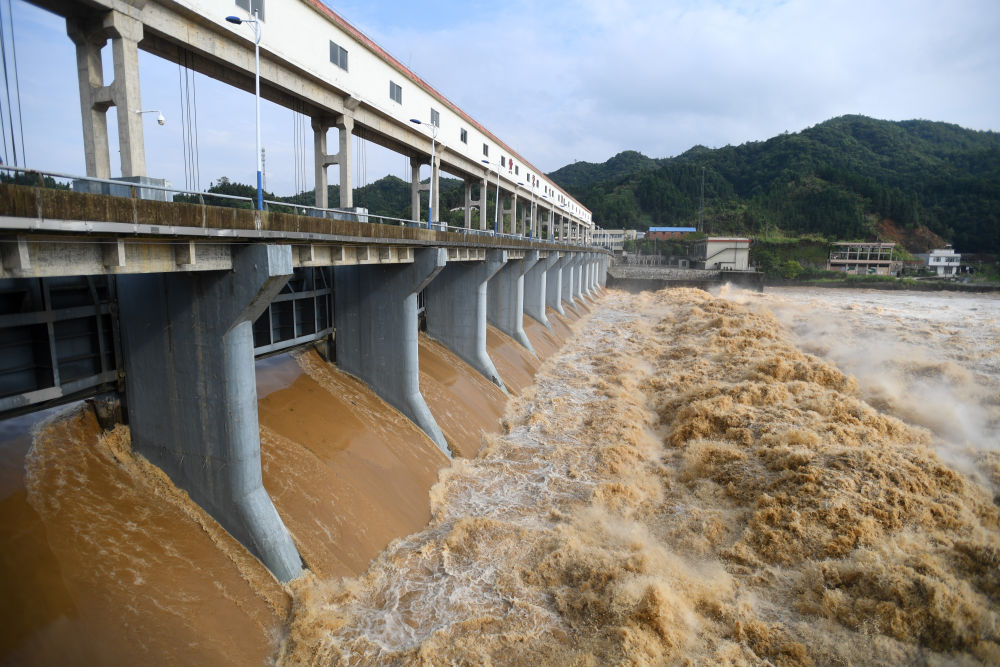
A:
(796, 477)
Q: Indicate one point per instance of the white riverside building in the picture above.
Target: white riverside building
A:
(944, 261)
(310, 36)
(727, 253)
(613, 239)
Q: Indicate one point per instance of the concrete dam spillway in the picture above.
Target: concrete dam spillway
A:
(138, 573)
(714, 478)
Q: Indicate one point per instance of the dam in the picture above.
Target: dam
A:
(258, 391)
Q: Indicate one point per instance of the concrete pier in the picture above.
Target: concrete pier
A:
(554, 283)
(578, 277)
(191, 392)
(536, 288)
(569, 277)
(592, 269)
(505, 298)
(455, 308)
(377, 331)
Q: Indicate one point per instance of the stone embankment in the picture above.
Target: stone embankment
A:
(640, 278)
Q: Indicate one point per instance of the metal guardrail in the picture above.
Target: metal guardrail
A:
(135, 189)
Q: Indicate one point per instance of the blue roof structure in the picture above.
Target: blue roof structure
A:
(672, 229)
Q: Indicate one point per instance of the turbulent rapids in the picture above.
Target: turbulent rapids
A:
(717, 479)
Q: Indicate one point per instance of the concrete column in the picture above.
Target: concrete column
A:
(550, 232)
(376, 331)
(505, 299)
(126, 33)
(455, 309)
(345, 160)
(435, 193)
(468, 204)
(90, 36)
(415, 188)
(569, 277)
(532, 217)
(554, 282)
(483, 191)
(321, 161)
(191, 390)
(506, 209)
(536, 288)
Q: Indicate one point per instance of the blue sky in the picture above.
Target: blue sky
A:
(582, 80)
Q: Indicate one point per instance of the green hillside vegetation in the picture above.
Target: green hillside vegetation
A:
(389, 196)
(836, 180)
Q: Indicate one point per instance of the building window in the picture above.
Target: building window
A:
(486, 150)
(435, 118)
(503, 160)
(253, 7)
(395, 92)
(517, 170)
(338, 56)
(463, 134)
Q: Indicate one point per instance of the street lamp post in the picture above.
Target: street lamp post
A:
(430, 192)
(255, 23)
(496, 215)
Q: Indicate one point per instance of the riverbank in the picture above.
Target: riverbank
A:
(888, 284)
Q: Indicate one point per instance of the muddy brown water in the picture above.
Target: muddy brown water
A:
(723, 478)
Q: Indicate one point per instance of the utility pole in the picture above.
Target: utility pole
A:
(701, 208)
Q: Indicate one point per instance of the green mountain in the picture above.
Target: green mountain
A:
(836, 179)
(582, 174)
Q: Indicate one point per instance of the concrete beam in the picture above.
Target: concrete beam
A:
(376, 331)
(536, 288)
(455, 308)
(505, 298)
(191, 390)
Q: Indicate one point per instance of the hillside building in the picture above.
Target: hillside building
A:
(663, 233)
(864, 259)
(613, 239)
(944, 261)
(725, 253)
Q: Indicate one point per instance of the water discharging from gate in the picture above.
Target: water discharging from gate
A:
(681, 482)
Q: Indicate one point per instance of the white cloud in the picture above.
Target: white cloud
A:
(561, 80)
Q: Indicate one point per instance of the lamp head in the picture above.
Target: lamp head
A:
(418, 122)
(236, 20)
(485, 161)
(161, 120)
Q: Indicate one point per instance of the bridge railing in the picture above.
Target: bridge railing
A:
(144, 188)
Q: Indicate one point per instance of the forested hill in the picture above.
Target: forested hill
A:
(837, 179)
